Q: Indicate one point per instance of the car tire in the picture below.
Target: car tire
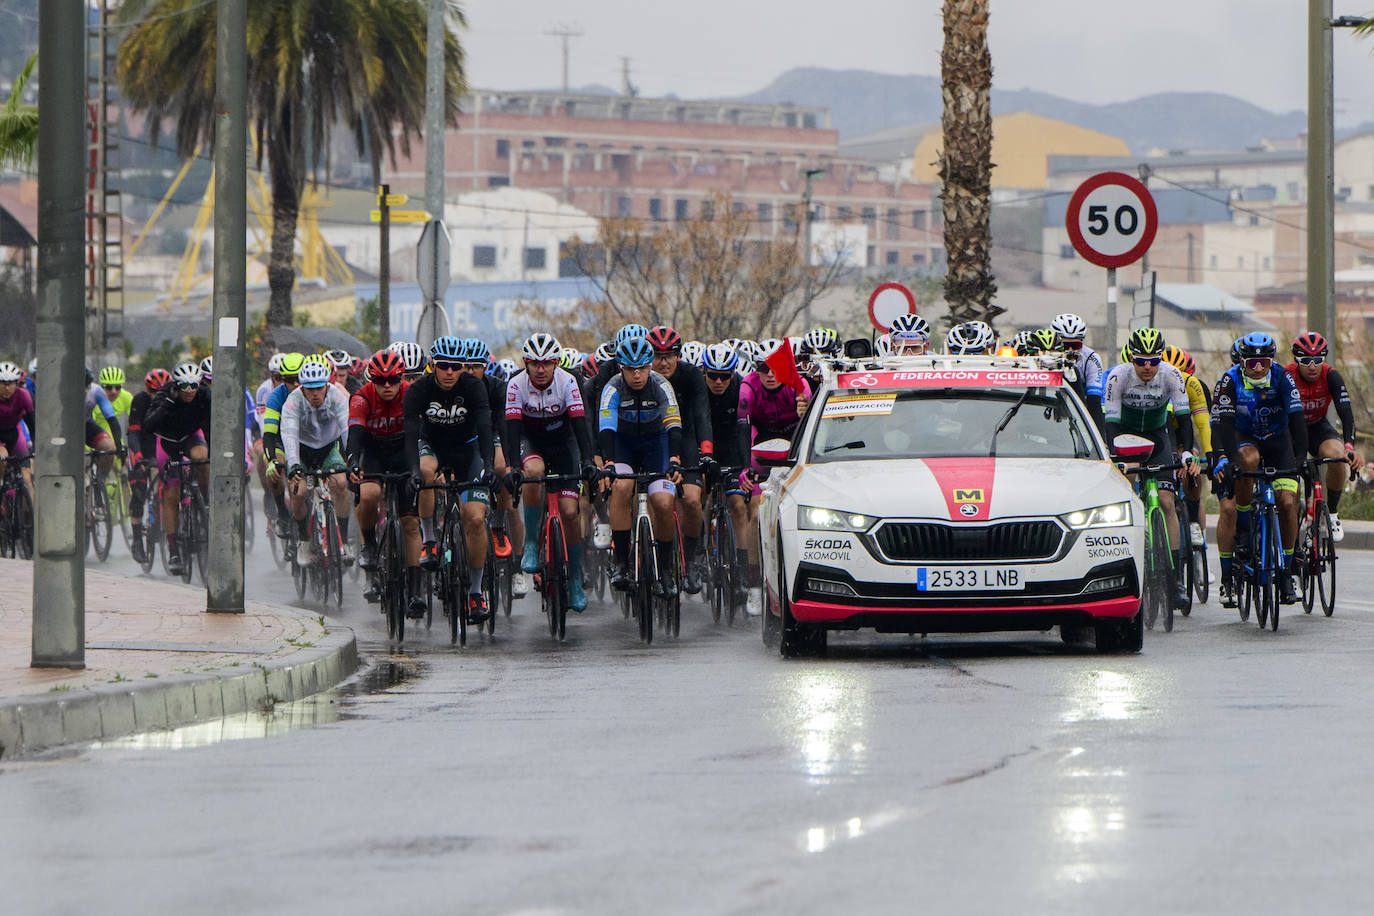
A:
(1122, 636)
(798, 640)
(1076, 635)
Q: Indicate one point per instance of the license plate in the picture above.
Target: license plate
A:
(971, 578)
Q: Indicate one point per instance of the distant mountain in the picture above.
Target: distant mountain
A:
(861, 101)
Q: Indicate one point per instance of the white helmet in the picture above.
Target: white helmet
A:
(765, 347)
(207, 369)
(719, 357)
(412, 354)
(541, 346)
(910, 322)
(9, 372)
(315, 374)
(822, 340)
(274, 363)
(969, 338)
(33, 366)
(186, 374)
(883, 346)
(693, 351)
(509, 367)
(1069, 325)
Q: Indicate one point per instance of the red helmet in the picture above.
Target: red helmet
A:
(589, 365)
(664, 338)
(158, 378)
(355, 368)
(1310, 344)
(386, 364)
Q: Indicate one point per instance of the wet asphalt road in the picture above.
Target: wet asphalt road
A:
(1223, 770)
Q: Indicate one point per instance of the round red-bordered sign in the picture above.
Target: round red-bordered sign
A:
(887, 302)
(1111, 219)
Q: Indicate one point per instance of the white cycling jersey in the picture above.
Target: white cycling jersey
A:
(314, 427)
(1088, 365)
(543, 410)
(1139, 406)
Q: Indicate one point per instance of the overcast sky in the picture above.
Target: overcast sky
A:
(1086, 50)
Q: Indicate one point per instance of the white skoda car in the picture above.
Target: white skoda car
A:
(948, 494)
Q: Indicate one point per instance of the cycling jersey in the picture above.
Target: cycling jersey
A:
(769, 414)
(121, 408)
(96, 400)
(1318, 395)
(451, 422)
(172, 419)
(380, 423)
(543, 420)
(260, 398)
(313, 427)
(689, 387)
(1088, 366)
(1200, 408)
(649, 413)
(496, 396)
(1136, 406)
(271, 419)
(14, 413)
(138, 413)
(729, 437)
(1250, 413)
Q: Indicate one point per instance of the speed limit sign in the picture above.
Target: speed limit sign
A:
(1111, 219)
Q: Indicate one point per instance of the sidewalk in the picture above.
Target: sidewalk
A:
(155, 659)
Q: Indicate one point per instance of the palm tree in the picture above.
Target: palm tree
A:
(312, 65)
(966, 160)
(19, 124)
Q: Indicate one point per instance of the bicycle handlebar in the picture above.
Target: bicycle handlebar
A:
(1152, 469)
(1266, 473)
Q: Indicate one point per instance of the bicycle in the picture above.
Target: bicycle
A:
(500, 567)
(1158, 587)
(16, 511)
(388, 576)
(551, 579)
(1259, 568)
(453, 555)
(99, 526)
(642, 603)
(1314, 557)
(324, 576)
(193, 524)
(725, 579)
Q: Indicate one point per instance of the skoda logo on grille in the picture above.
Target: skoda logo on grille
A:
(968, 509)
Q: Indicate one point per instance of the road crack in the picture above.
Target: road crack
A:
(983, 771)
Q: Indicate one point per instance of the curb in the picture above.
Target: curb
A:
(33, 723)
(1353, 540)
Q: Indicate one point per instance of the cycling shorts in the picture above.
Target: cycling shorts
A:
(644, 454)
(1275, 452)
(16, 444)
(326, 460)
(465, 464)
(558, 457)
(1165, 452)
(1319, 432)
(93, 432)
(173, 450)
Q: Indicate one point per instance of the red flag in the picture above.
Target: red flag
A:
(784, 368)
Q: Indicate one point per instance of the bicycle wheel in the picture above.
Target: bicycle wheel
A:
(1325, 561)
(1305, 562)
(1157, 597)
(274, 538)
(556, 581)
(1275, 563)
(644, 573)
(1202, 576)
(152, 534)
(300, 575)
(503, 577)
(120, 495)
(673, 603)
(8, 528)
(250, 521)
(1261, 577)
(333, 559)
(1245, 594)
(1182, 564)
(98, 517)
(394, 598)
(453, 563)
(201, 517)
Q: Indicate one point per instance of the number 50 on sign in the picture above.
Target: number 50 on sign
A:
(1111, 219)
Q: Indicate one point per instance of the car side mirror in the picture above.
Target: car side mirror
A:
(1131, 447)
(858, 348)
(771, 453)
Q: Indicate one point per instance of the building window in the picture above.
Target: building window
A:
(894, 229)
(789, 217)
(1266, 263)
(655, 208)
(871, 219)
(680, 209)
(1212, 261)
(870, 256)
(808, 120)
(527, 144)
(918, 219)
(555, 141)
(536, 258)
(1066, 252)
(708, 210)
(790, 119)
(1293, 190)
(765, 213)
(1240, 262)
(622, 206)
(498, 181)
(483, 255)
(739, 207)
(1254, 219)
(502, 149)
(892, 257)
(918, 259)
(846, 214)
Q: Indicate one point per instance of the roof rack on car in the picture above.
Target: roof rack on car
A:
(1059, 362)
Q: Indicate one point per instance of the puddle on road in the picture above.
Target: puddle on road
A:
(333, 705)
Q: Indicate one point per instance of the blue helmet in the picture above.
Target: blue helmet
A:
(447, 348)
(478, 350)
(1257, 345)
(719, 358)
(494, 369)
(634, 353)
(629, 332)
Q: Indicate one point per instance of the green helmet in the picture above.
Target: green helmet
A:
(1145, 342)
(291, 365)
(1044, 340)
(111, 375)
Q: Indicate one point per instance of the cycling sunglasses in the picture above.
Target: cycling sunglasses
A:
(720, 376)
(186, 386)
(1258, 362)
(1146, 360)
(1311, 360)
(386, 380)
(1073, 344)
(447, 366)
(112, 387)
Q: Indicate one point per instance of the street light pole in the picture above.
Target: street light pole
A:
(810, 218)
(59, 567)
(1320, 182)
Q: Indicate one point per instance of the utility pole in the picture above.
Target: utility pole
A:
(59, 581)
(809, 216)
(384, 263)
(435, 103)
(1320, 182)
(224, 579)
(1144, 171)
(566, 33)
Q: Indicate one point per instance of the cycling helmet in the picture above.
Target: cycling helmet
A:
(971, 337)
(1178, 358)
(1257, 345)
(33, 366)
(478, 351)
(908, 342)
(385, 363)
(274, 363)
(766, 347)
(823, 340)
(1145, 342)
(541, 346)
(341, 359)
(630, 331)
(448, 348)
(605, 352)
(909, 322)
(90, 376)
(1070, 326)
(1310, 344)
(509, 367)
(291, 364)
(1044, 340)
(411, 354)
(734, 343)
(719, 358)
(693, 351)
(1234, 354)
(664, 338)
(207, 369)
(157, 378)
(316, 373)
(749, 349)
(110, 375)
(9, 372)
(589, 365)
(568, 358)
(318, 359)
(634, 353)
(494, 369)
(1019, 342)
(356, 366)
(883, 345)
(186, 374)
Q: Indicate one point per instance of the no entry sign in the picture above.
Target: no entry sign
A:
(1111, 219)
(887, 302)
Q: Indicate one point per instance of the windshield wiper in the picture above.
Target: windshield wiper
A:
(1006, 418)
(857, 443)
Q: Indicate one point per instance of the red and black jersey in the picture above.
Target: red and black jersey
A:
(1318, 395)
(382, 421)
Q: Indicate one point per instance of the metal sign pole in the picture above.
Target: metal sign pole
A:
(1111, 312)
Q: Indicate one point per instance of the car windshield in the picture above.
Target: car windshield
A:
(951, 423)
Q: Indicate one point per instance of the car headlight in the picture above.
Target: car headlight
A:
(1114, 515)
(814, 518)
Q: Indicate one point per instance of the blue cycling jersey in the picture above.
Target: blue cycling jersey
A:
(1260, 410)
(95, 397)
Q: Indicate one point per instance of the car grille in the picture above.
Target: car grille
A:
(934, 542)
